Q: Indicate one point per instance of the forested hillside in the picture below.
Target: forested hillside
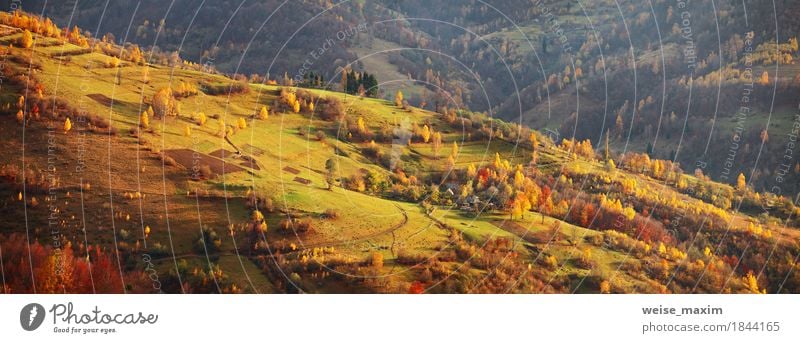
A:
(174, 171)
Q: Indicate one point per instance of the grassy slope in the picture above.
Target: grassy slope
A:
(366, 224)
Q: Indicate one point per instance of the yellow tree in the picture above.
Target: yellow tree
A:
(519, 179)
(201, 119)
(534, 141)
(222, 128)
(362, 127)
(586, 256)
(296, 106)
(682, 183)
(376, 260)
(516, 210)
(144, 120)
(426, 133)
(454, 152)
(437, 143)
(741, 182)
(67, 125)
(764, 79)
(113, 62)
(26, 41)
(135, 54)
(472, 171)
(524, 203)
(263, 114)
(164, 102)
(20, 116)
(752, 283)
(398, 99)
(242, 123)
(605, 286)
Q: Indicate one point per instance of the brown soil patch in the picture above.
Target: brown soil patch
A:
(189, 158)
(302, 180)
(291, 170)
(222, 153)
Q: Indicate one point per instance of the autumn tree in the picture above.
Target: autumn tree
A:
(26, 40)
(764, 79)
(263, 114)
(416, 287)
(112, 62)
(497, 163)
(343, 79)
(376, 260)
(242, 123)
(257, 228)
(362, 127)
(398, 99)
(545, 201)
(135, 54)
(67, 125)
(144, 120)
(605, 287)
(426, 133)
(164, 103)
(520, 205)
(331, 169)
(519, 178)
(34, 113)
(587, 214)
(472, 171)
(437, 143)
(741, 182)
(69, 272)
(74, 36)
(619, 125)
(201, 119)
(751, 282)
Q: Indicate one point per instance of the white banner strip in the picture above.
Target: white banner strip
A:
(399, 318)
